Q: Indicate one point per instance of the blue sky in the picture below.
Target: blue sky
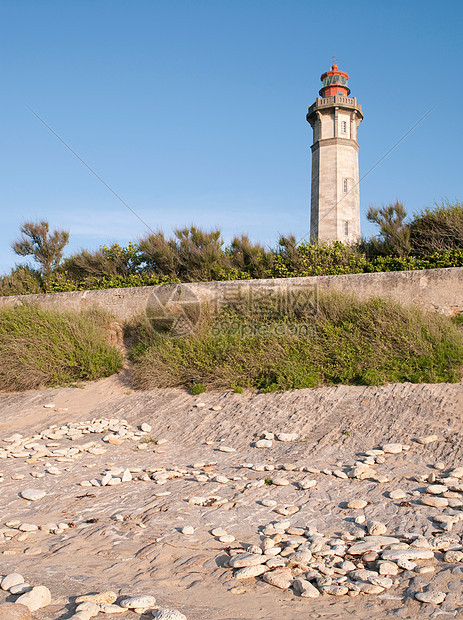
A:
(193, 111)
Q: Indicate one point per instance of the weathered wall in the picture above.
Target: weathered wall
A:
(440, 290)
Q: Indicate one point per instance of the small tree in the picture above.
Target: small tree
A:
(438, 229)
(394, 234)
(46, 248)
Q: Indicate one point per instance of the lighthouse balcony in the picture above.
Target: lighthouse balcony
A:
(335, 100)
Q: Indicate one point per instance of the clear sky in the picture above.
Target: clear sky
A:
(193, 111)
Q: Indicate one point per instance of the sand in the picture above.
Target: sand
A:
(127, 539)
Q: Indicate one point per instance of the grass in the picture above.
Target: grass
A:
(277, 346)
(43, 348)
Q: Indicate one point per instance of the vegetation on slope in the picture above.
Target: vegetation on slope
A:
(280, 346)
(43, 348)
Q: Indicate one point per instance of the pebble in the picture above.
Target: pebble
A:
(138, 602)
(32, 494)
(435, 502)
(305, 589)
(426, 439)
(111, 608)
(375, 528)
(218, 531)
(392, 448)
(242, 560)
(435, 598)
(279, 578)
(188, 530)
(226, 449)
(227, 538)
(13, 579)
(100, 598)
(357, 504)
(269, 503)
(436, 489)
(279, 481)
(20, 588)
(407, 554)
(145, 427)
(397, 494)
(36, 598)
(264, 443)
(250, 571)
(286, 436)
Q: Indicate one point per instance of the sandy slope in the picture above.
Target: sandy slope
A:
(146, 552)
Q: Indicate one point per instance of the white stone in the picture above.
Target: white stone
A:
(286, 436)
(279, 578)
(408, 554)
(126, 476)
(392, 448)
(436, 489)
(375, 528)
(264, 443)
(111, 608)
(138, 602)
(188, 530)
(145, 427)
(357, 504)
(33, 494)
(305, 589)
(242, 560)
(279, 481)
(227, 538)
(36, 598)
(269, 503)
(435, 598)
(435, 502)
(397, 494)
(250, 571)
(13, 579)
(427, 439)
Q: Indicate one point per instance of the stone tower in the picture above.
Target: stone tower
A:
(335, 200)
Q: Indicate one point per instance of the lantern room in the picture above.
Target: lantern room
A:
(334, 83)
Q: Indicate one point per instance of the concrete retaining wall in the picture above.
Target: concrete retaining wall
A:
(439, 290)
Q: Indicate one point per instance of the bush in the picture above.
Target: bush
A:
(41, 348)
(437, 230)
(273, 347)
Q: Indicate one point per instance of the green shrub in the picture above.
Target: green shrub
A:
(274, 347)
(437, 230)
(197, 388)
(41, 348)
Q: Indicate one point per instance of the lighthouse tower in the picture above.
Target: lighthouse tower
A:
(335, 200)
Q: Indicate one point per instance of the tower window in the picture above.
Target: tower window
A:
(344, 186)
(343, 127)
(346, 228)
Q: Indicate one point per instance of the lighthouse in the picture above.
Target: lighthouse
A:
(335, 198)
